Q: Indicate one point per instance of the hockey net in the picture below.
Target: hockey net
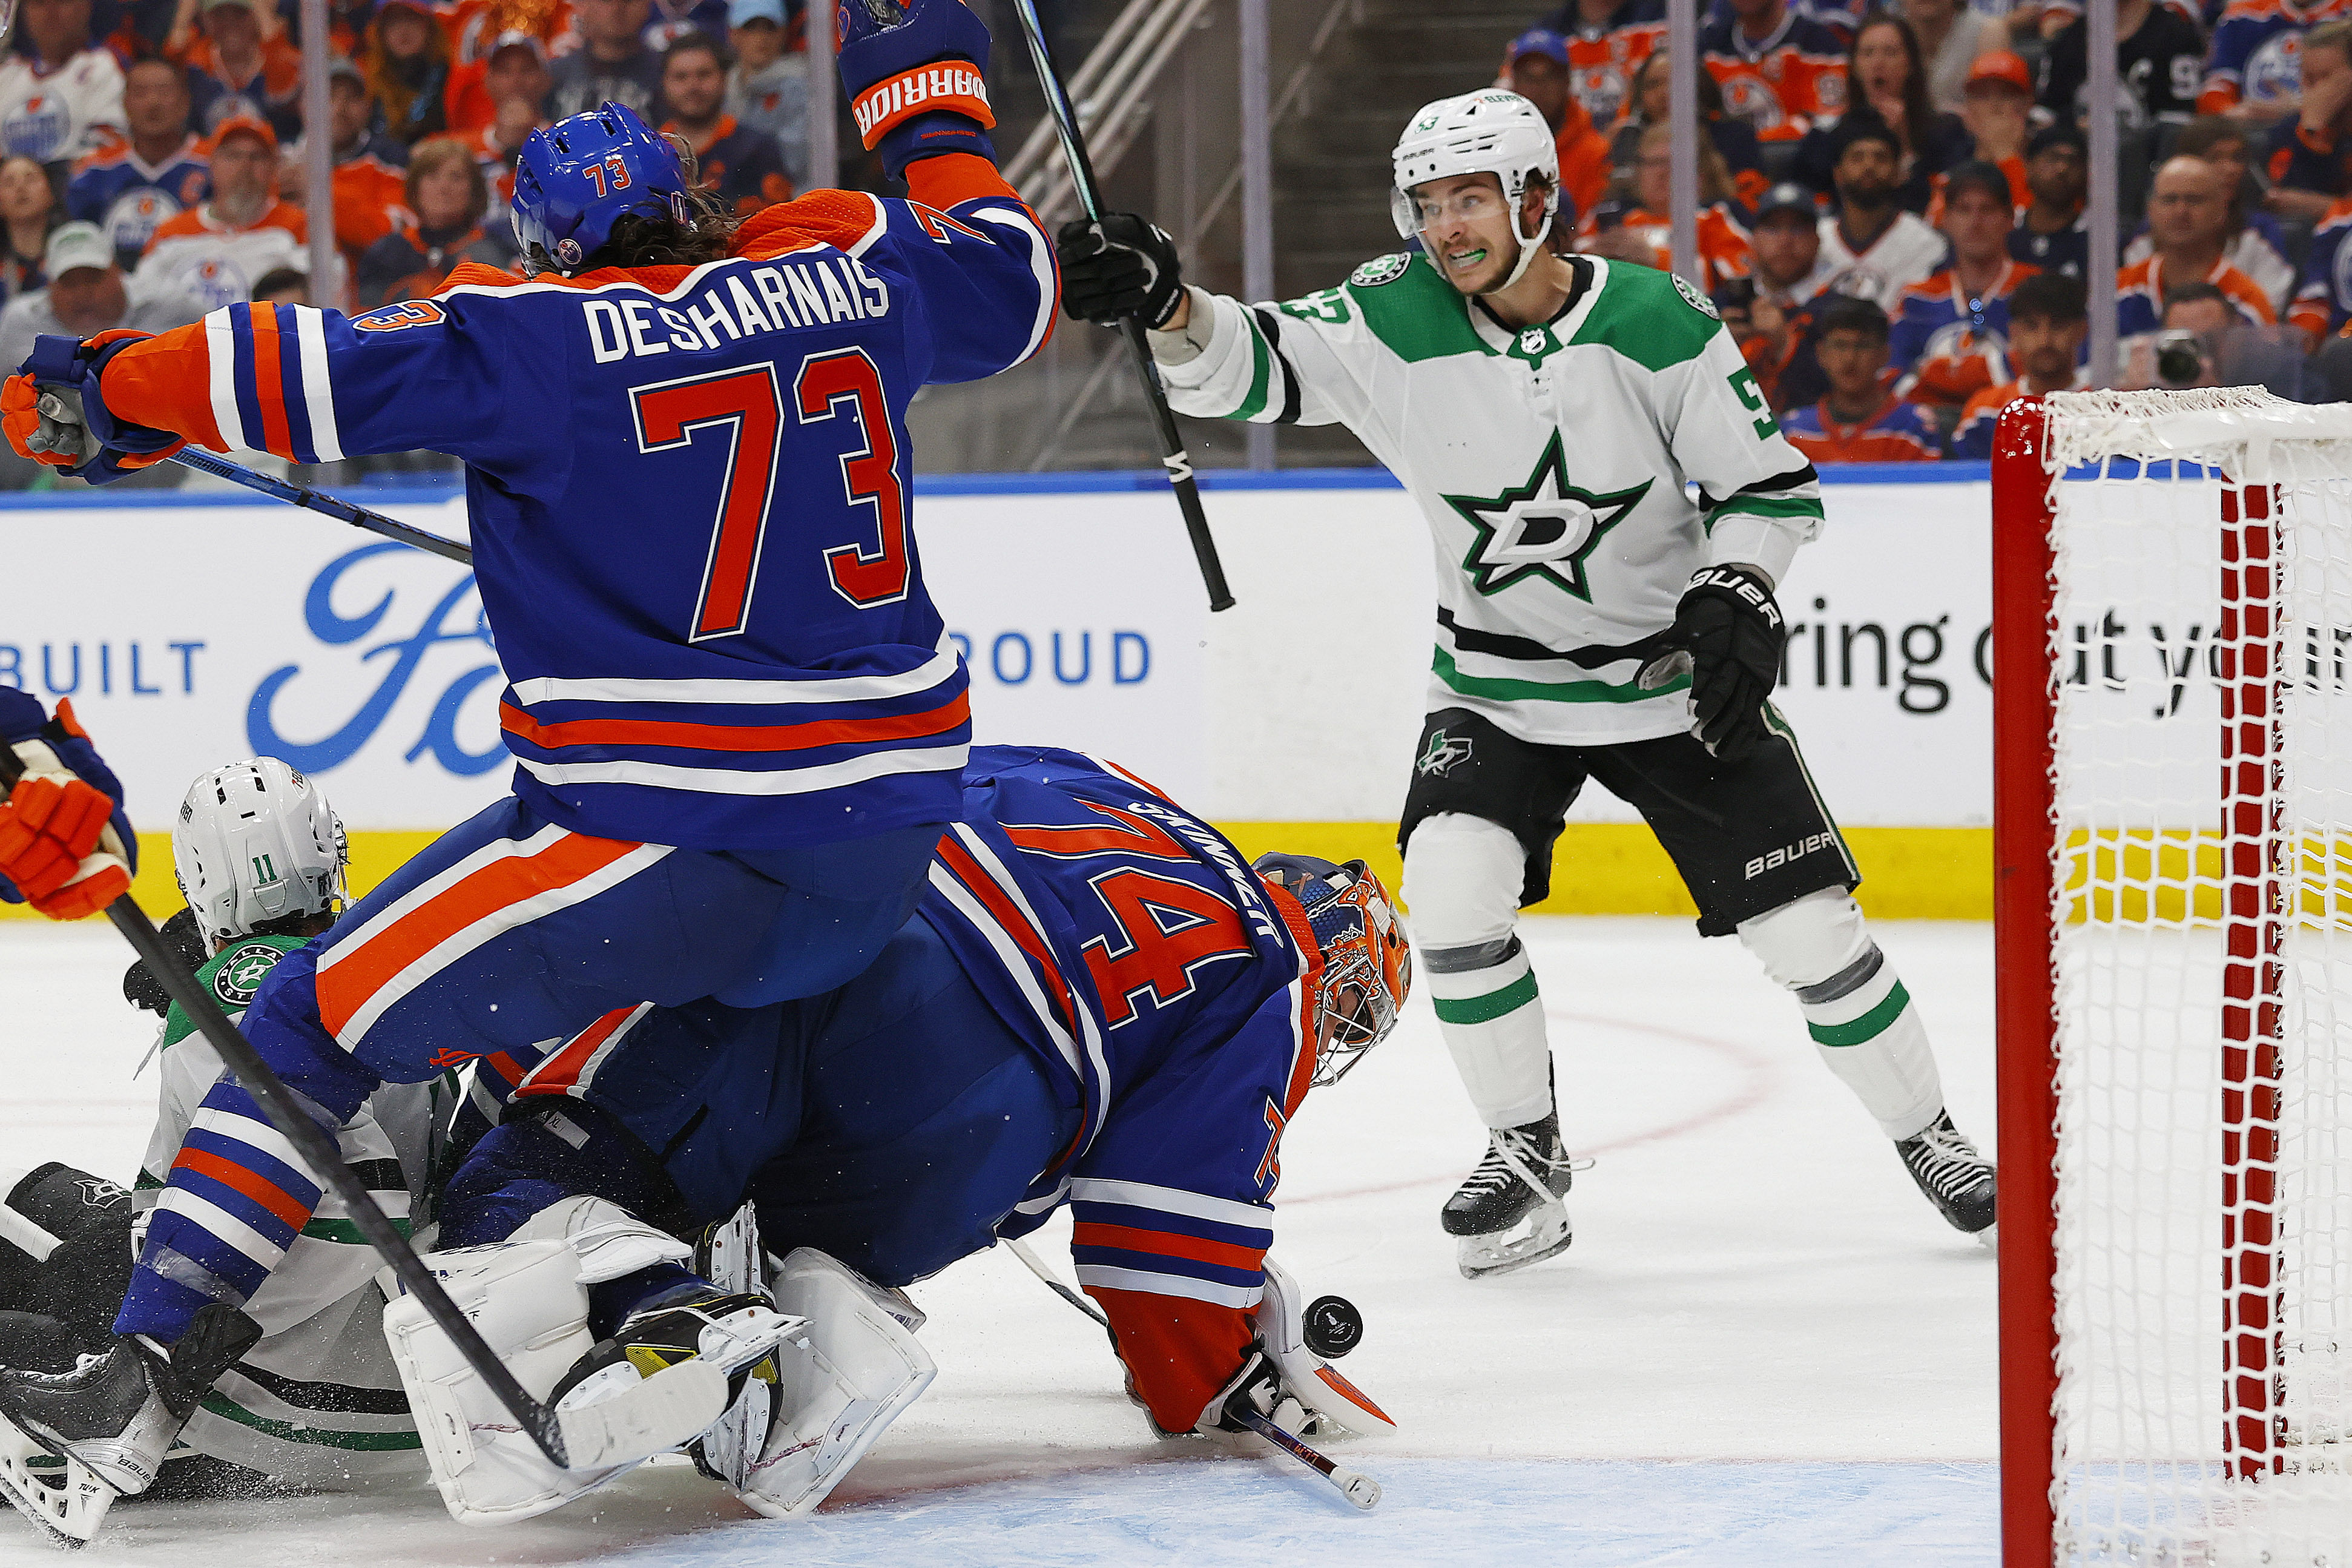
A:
(2173, 649)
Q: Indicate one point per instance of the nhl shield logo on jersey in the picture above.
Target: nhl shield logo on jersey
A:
(1381, 269)
(1546, 528)
(239, 975)
(1442, 755)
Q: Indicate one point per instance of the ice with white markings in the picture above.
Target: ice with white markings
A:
(1763, 1349)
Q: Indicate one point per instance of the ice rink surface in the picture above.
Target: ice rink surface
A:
(1765, 1349)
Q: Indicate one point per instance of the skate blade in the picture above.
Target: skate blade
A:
(1546, 1233)
(64, 1497)
(670, 1408)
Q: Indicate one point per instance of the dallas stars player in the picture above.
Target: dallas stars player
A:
(1593, 621)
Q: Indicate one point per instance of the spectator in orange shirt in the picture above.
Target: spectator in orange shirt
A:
(740, 163)
(515, 63)
(1997, 111)
(406, 63)
(1733, 137)
(517, 81)
(1779, 71)
(2257, 247)
(1860, 421)
(1607, 42)
(448, 198)
(234, 71)
(1644, 233)
(371, 169)
(1538, 73)
(2047, 325)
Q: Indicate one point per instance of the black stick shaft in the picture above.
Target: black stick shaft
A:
(320, 1152)
(316, 501)
(1178, 462)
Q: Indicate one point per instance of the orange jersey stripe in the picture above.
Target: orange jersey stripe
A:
(982, 886)
(562, 1071)
(735, 737)
(261, 1190)
(1166, 1243)
(269, 383)
(349, 977)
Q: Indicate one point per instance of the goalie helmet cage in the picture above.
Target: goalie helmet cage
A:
(2172, 657)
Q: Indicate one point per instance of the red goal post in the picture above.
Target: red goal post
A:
(2173, 797)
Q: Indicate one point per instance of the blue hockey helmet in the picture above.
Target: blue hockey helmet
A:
(577, 177)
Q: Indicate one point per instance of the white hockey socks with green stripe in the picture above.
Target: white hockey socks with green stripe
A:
(1493, 1021)
(1862, 1019)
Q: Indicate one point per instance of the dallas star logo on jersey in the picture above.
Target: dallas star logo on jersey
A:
(1442, 752)
(1546, 528)
(240, 974)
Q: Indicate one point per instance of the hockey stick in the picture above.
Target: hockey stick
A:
(1354, 1484)
(26, 1235)
(204, 462)
(584, 1438)
(1171, 441)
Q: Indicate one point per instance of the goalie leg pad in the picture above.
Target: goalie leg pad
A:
(844, 1376)
(1862, 1019)
(527, 1300)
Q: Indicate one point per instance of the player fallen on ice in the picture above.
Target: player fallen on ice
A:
(1594, 622)
(738, 723)
(1097, 1004)
(311, 1397)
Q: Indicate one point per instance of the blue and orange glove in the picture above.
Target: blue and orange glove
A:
(66, 847)
(52, 412)
(917, 76)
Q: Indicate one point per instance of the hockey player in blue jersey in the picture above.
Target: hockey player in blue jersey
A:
(738, 727)
(1097, 1004)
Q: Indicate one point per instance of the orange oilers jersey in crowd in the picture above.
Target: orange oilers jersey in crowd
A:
(767, 668)
(1897, 432)
(2140, 296)
(1782, 85)
(1945, 345)
(1584, 159)
(1723, 245)
(1601, 63)
(370, 197)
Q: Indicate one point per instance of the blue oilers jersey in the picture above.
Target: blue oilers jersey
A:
(689, 494)
(1173, 990)
(130, 199)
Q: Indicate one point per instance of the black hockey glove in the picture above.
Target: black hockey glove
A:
(1119, 267)
(1727, 634)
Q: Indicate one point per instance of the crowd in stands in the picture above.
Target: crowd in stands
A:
(151, 152)
(1893, 197)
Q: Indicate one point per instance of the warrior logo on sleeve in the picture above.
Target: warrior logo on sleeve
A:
(1547, 528)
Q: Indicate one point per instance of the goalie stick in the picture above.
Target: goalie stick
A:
(599, 1435)
(1354, 1484)
(1171, 441)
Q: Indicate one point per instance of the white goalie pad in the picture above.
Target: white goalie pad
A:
(63, 1498)
(1306, 1377)
(527, 1302)
(845, 1375)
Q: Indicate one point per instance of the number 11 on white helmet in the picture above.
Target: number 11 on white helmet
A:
(258, 848)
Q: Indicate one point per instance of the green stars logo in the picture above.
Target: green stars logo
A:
(1545, 529)
(239, 975)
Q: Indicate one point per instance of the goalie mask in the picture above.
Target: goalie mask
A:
(1367, 958)
(1487, 132)
(257, 847)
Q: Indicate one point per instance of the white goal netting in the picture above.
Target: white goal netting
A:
(2201, 938)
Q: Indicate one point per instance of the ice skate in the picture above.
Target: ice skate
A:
(1509, 1214)
(1957, 1179)
(735, 1332)
(107, 1424)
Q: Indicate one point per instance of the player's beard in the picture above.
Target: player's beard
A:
(1485, 276)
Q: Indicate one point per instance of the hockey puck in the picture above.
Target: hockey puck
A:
(1333, 1327)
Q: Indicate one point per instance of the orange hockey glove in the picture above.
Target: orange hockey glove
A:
(62, 840)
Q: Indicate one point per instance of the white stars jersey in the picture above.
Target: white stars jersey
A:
(1552, 464)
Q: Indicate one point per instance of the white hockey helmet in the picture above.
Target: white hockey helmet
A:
(256, 842)
(1490, 132)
